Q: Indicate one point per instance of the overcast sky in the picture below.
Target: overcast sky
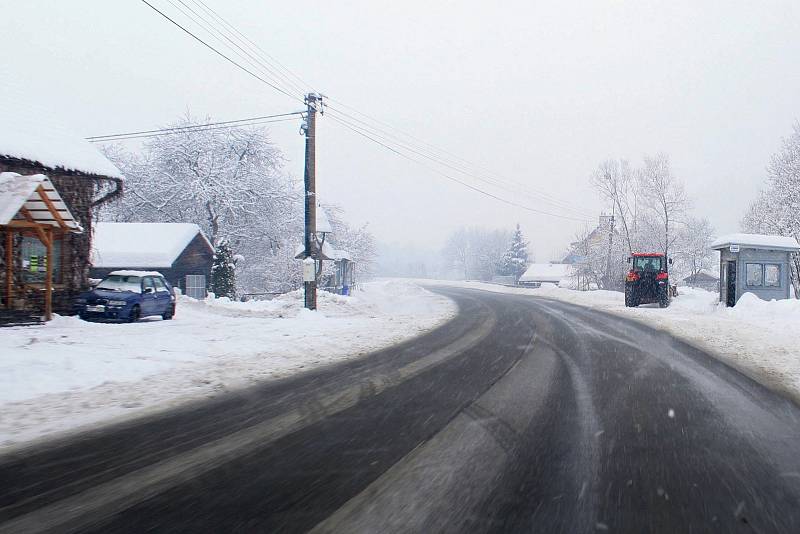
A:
(537, 92)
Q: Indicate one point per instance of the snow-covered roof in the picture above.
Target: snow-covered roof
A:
(29, 131)
(130, 272)
(141, 244)
(18, 192)
(327, 250)
(323, 223)
(704, 273)
(769, 242)
(545, 272)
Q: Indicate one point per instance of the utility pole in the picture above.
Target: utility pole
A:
(313, 103)
(610, 248)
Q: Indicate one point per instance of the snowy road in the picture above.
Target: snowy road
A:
(521, 414)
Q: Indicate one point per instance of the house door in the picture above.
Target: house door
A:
(730, 292)
(196, 286)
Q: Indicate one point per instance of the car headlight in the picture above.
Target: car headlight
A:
(116, 303)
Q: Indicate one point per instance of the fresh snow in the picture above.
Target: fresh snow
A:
(68, 373)
(141, 244)
(757, 337)
(776, 242)
(546, 272)
(29, 131)
(18, 191)
(130, 272)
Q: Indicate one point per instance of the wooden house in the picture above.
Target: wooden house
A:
(80, 176)
(703, 279)
(179, 251)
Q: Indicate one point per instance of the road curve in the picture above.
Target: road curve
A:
(521, 414)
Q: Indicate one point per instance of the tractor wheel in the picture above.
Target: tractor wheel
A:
(630, 301)
(663, 299)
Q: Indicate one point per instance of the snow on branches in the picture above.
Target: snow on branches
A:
(515, 260)
(776, 210)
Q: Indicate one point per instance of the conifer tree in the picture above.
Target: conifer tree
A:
(515, 260)
(223, 271)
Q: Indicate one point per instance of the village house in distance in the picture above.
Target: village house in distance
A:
(75, 178)
(179, 251)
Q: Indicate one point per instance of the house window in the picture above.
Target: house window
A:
(772, 275)
(34, 260)
(754, 274)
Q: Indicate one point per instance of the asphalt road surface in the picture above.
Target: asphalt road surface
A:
(520, 415)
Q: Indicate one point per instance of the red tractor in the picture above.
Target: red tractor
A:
(648, 280)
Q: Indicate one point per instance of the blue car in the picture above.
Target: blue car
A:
(127, 296)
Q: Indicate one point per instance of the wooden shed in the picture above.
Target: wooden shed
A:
(32, 143)
(179, 251)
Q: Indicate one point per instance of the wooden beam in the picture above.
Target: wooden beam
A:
(51, 207)
(16, 223)
(36, 226)
(48, 282)
(9, 267)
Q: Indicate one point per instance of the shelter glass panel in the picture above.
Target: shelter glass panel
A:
(754, 274)
(772, 275)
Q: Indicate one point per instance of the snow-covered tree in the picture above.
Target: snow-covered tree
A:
(358, 241)
(229, 181)
(649, 214)
(223, 271)
(692, 251)
(475, 253)
(777, 208)
(515, 260)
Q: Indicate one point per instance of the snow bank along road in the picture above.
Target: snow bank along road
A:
(521, 414)
(70, 374)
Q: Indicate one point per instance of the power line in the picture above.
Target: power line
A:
(519, 189)
(563, 204)
(187, 129)
(215, 33)
(226, 58)
(451, 178)
(423, 149)
(302, 85)
(177, 128)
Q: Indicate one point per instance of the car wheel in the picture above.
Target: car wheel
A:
(135, 314)
(167, 315)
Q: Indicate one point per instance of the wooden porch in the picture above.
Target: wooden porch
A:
(30, 207)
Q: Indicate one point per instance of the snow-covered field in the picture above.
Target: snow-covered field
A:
(70, 373)
(759, 338)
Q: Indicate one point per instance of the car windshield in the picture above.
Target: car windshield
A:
(647, 263)
(116, 282)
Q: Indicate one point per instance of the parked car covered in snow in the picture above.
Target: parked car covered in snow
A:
(127, 296)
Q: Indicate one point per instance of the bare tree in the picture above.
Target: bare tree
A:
(693, 249)
(664, 198)
(614, 179)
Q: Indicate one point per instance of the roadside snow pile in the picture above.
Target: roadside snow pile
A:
(70, 373)
(760, 338)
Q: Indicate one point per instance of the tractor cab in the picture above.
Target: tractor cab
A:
(647, 280)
